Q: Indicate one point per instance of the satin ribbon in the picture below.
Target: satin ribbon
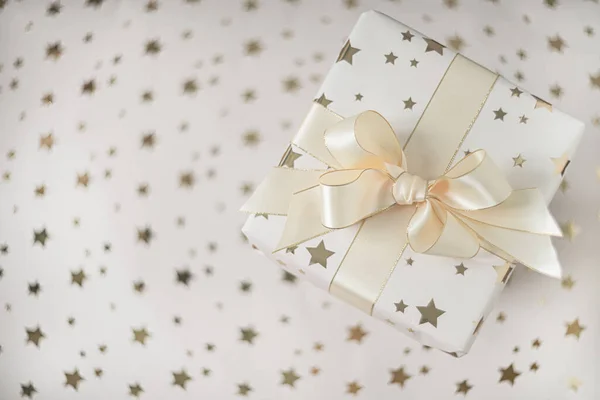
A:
(471, 206)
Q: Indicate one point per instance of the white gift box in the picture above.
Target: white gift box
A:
(393, 69)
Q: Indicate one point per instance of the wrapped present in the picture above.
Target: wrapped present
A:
(416, 183)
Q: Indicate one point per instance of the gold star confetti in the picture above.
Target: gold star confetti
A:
(353, 387)
(140, 335)
(73, 379)
(399, 376)
(243, 389)
(319, 254)
(424, 370)
(35, 335)
(409, 103)
(463, 387)
(574, 328)
(40, 237)
(499, 114)
(289, 377)
(248, 335)
(135, 390)
(77, 278)
(181, 378)
(556, 43)
(390, 58)
(28, 390)
(430, 314)
(347, 53)
(356, 333)
(190, 86)
(54, 50)
(509, 374)
(432, 45)
(145, 235)
(518, 161)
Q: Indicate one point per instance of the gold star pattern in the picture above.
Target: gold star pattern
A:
(399, 377)
(184, 276)
(390, 58)
(35, 335)
(149, 140)
(248, 335)
(28, 390)
(291, 85)
(434, 46)
(460, 269)
(88, 87)
(534, 367)
(145, 235)
(518, 161)
(574, 329)
(78, 278)
(556, 91)
(523, 119)
(430, 314)
(463, 387)
(347, 53)
(499, 114)
(140, 335)
(40, 237)
(356, 333)
(410, 261)
(244, 389)
(253, 47)
(190, 86)
(187, 179)
(153, 47)
(400, 306)
(289, 377)
(181, 378)
(556, 43)
(73, 379)
(54, 50)
(456, 43)
(509, 374)
(353, 387)
(135, 390)
(48, 99)
(516, 92)
(407, 36)
(409, 103)
(536, 343)
(319, 254)
(323, 100)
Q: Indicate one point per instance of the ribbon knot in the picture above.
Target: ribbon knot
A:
(409, 189)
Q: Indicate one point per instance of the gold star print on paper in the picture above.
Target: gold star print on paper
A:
(556, 43)
(456, 43)
(243, 389)
(54, 50)
(523, 119)
(460, 269)
(140, 335)
(409, 103)
(88, 87)
(135, 390)
(35, 335)
(356, 333)
(248, 335)
(560, 164)
(153, 47)
(518, 161)
(410, 261)
(414, 63)
(569, 230)
(40, 237)
(432, 45)
(508, 374)
(291, 85)
(400, 306)
(28, 390)
(187, 179)
(77, 278)
(358, 97)
(399, 377)
(429, 313)
(73, 379)
(319, 254)
(407, 36)
(499, 114)
(567, 282)
(347, 53)
(463, 387)
(184, 276)
(289, 377)
(515, 92)
(595, 80)
(574, 329)
(390, 58)
(353, 387)
(323, 100)
(253, 47)
(145, 235)
(181, 378)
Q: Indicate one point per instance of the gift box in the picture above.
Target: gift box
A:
(417, 182)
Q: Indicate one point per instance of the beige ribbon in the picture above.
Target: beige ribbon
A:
(470, 206)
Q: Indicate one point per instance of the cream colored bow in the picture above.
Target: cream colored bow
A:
(470, 206)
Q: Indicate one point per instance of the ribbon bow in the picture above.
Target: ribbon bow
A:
(471, 206)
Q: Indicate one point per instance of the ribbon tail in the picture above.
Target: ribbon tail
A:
(274, 194)
(303, 220)
(533, 250)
